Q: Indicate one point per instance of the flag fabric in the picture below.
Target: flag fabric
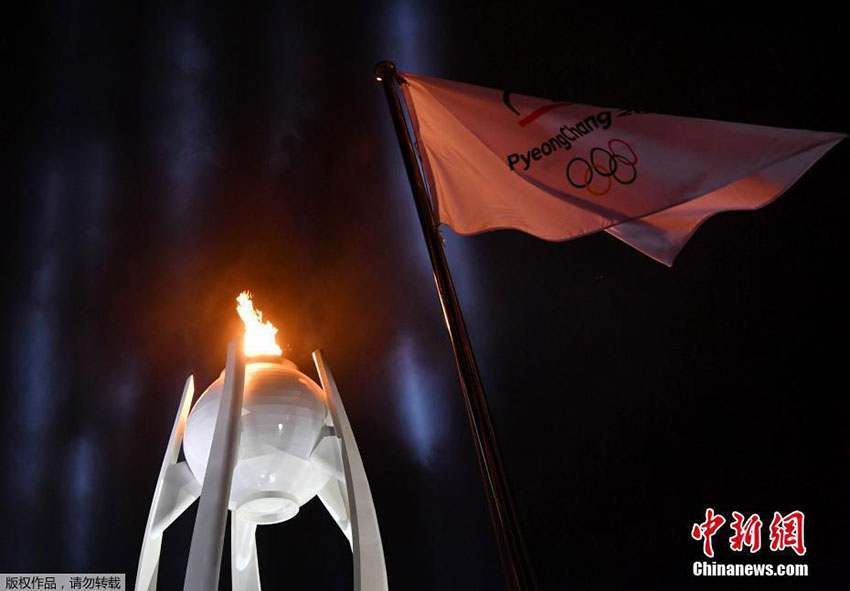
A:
(558, 170)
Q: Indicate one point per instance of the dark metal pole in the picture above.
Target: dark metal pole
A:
(503, 514)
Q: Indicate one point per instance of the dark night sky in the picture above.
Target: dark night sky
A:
(165, 159)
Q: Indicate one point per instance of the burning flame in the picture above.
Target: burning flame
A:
(259, 335)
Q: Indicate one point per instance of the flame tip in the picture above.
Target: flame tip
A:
(259, 336)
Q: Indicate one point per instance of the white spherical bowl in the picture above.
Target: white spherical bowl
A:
(282, 418)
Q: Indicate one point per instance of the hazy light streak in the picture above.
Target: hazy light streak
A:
(95, 171)
(185, 137)
(412, 34)
(35, 409)
(80, 501)
(420, 403)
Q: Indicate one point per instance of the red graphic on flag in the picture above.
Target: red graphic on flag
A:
(747, 533)
(705, 531)
(787, 532)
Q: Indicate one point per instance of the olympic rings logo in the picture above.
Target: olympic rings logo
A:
(619, 167)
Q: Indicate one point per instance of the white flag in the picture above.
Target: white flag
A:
(561, 170)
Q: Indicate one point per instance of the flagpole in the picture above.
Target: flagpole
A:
(503, 513)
